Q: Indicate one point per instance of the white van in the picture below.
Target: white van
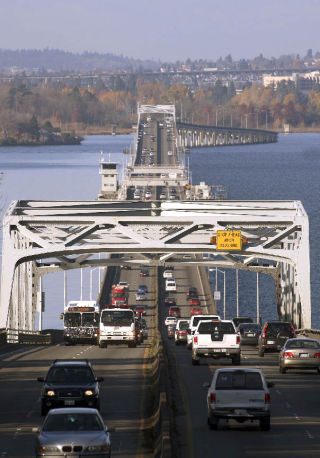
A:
(171, 284)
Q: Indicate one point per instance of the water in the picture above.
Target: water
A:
(286, 170)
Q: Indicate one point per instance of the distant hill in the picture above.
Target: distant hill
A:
(57, 60)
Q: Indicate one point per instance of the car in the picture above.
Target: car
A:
(169, 153)
(196, 310)
(174, 310)
(124, 284)
(144, 328)
(171, 330)
(194, 320)
(147, 195)
(171, 284)
(194, 301)
(241, 319)
(169, 301)
(170, 320)
(168, 273)
(141, 296)
(144, 272)
(75, 431)
(69, 383)
(274, 335)
(138, 330)
(163, 195)
(192, 292)
(140, 309)
(249, 333)
(142, 288)
(300, 353)
(180, 334)
(239, 394)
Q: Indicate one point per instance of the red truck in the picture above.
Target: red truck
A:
(119, 296)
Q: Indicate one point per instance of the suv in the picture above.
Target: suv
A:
(69, 383)
(274, 335)
(239, 394)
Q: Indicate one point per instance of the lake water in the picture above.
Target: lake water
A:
(287, 170)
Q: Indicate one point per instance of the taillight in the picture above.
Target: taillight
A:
(264, 331)
(195, 339)
(267, 397)
(288, 354)
(316, 355)
(212, 397)
(238, 339)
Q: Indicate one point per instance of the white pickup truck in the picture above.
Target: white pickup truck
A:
(194, 320)
(216, 339)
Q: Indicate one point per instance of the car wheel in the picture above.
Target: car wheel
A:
(236, 361)
(177, 342)
(44, 410)
(265, 424)
(195, 362)
(261, 353)
(102, 345)
(282, 369)
(213, 423)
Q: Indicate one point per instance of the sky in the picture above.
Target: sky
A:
(166, 30)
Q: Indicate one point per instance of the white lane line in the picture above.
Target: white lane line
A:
(16, 433)
(310, 436)
(278, 392)
(296, 417)
(288, 406)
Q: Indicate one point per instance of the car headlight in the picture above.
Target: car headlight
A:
(97, 448)
(48, 448)
(50, 393)
(89, 393)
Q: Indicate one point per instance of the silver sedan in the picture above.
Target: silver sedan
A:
(300, 353)
(73, 431)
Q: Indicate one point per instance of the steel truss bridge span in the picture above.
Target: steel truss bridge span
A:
(40, 237)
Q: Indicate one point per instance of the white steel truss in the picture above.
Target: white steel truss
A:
(43, 236)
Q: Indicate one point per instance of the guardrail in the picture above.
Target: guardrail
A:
(23, 336)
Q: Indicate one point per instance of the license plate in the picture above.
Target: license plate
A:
(250, 335)
(69, 402)
(240, 412)
(303, 355)
(218, 350)
(270, 342)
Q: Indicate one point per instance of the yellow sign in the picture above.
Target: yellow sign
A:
(229, 240)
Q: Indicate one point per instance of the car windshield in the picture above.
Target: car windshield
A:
(311, 344)
(216, 326)
(183, 324)
(275, 328)
(239, 380)
(202, 318)
(73, 422)
(117, 318)
(250, 327)
(72, 319)
(70, 374)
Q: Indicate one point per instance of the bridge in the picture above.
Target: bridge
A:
(152, 395)
(194, 135)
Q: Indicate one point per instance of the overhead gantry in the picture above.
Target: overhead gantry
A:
(40, 237)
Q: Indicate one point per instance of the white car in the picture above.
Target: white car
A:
(171, 284)
(124, 284)
(168, 273)
(169, 153)
(239, 394)
(141, 296)
(163, 195)
(170, 320)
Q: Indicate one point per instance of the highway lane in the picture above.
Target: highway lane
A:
(121, 391)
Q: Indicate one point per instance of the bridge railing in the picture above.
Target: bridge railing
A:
(23, 336)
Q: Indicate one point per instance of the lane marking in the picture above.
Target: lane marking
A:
(288, 406)
(310, 436)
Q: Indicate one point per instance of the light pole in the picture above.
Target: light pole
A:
(258, 301)
(65, 288)
(237, 290)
